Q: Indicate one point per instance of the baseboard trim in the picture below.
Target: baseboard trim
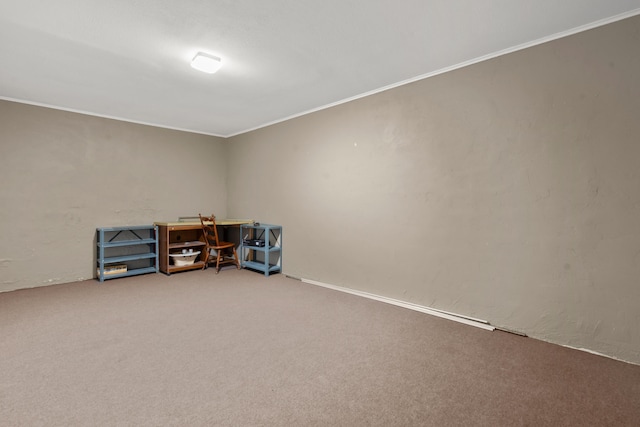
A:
(478, 323)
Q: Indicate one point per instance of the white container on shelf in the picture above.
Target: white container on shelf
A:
(184, 259)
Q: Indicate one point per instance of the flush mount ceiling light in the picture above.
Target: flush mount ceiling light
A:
(206, 63)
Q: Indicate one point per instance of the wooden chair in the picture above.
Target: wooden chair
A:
(222, 253)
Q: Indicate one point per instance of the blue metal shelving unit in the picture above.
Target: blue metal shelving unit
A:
(267, 258)
(134, 246)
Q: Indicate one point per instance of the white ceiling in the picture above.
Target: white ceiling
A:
(129, 59)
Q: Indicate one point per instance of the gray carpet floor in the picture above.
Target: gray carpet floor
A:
(239, 349)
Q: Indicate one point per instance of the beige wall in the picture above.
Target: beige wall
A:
(64, 174)
(508, 190)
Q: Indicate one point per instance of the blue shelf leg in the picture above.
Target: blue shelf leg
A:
(101, 255)
(266, 253)
(155, 245)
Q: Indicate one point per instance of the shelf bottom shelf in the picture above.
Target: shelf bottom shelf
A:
(178, 268)
(134, 272)
(260, 266)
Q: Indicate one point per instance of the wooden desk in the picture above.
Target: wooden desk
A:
(173, 237)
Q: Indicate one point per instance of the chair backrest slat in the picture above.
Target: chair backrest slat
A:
(210, 231)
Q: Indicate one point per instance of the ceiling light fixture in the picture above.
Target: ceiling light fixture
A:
(206, 63)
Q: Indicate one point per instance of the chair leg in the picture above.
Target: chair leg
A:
(235, 257)
(218, 261)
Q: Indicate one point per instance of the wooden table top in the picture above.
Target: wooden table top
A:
(197, 223)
